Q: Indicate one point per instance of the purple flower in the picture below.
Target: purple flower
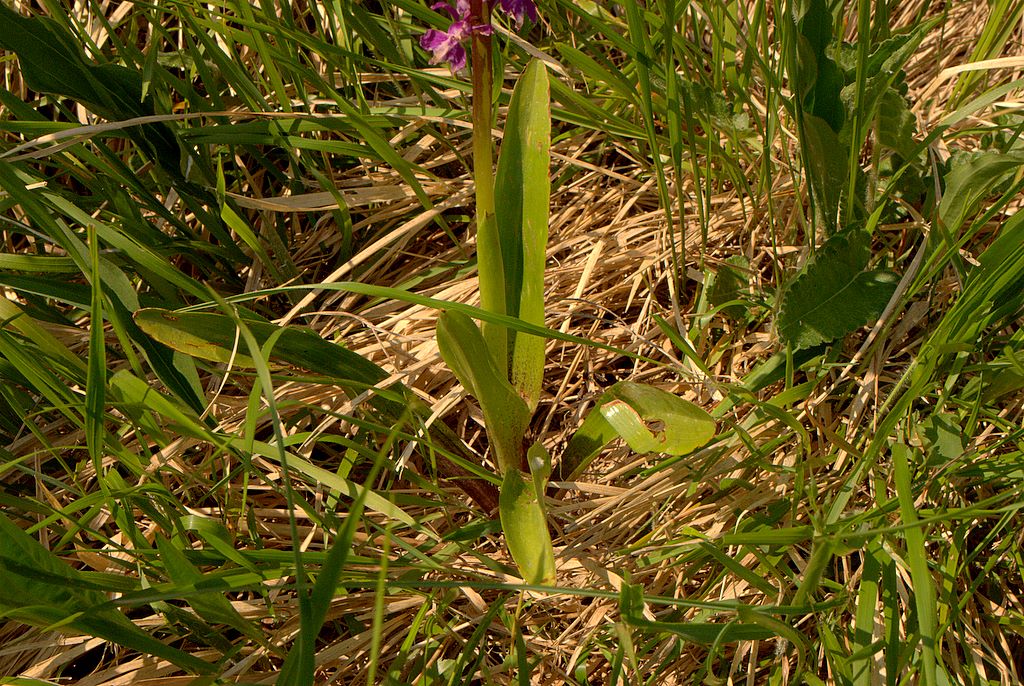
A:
(519, 9)
(447, 46)
(459, 11)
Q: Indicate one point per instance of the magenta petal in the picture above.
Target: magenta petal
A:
(433, 39)
(456, 57)
(520, 9)
(438, 6)
(447, 46)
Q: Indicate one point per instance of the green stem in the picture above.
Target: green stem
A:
(489, 260)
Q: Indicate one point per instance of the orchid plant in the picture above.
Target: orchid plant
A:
(504, 368)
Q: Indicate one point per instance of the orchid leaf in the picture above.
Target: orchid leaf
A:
(655, 421)
(521, 507)
(505, 414)
(522, 198)
(647, 418)
(213, 336)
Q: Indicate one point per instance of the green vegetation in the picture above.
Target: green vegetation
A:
(237, 240)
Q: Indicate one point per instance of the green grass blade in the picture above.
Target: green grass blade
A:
(40, 590)
(96, 379)
(917, 558)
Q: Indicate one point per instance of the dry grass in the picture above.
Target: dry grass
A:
(628, 517)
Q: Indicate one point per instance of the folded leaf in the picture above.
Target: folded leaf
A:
(505, 414)
(521, 507)
(648, 418)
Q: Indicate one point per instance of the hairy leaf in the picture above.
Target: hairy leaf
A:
(835, 294)
(970, 180)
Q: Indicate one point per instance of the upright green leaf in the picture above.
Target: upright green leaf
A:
(96, 379)
(817, 83)
(522, 193)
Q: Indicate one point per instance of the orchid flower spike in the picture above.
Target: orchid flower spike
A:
(448, 46)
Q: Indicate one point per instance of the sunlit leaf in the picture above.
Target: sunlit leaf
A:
(505, 414)
(522, 192)
(526, 529)
(647, 418)
(835, 294)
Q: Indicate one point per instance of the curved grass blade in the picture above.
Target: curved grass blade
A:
(40, 590)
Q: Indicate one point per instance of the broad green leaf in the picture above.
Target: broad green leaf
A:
(627, 423)
(834, 294)
(816, 76)
(505, 414)
(897, 125)
(521, 509)
(942, 437)
(877, 91)
(40, 590)
(817, 81)
(970, 180)
(213, 336)
(651, 420)
(648, 418)
(522, 194)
